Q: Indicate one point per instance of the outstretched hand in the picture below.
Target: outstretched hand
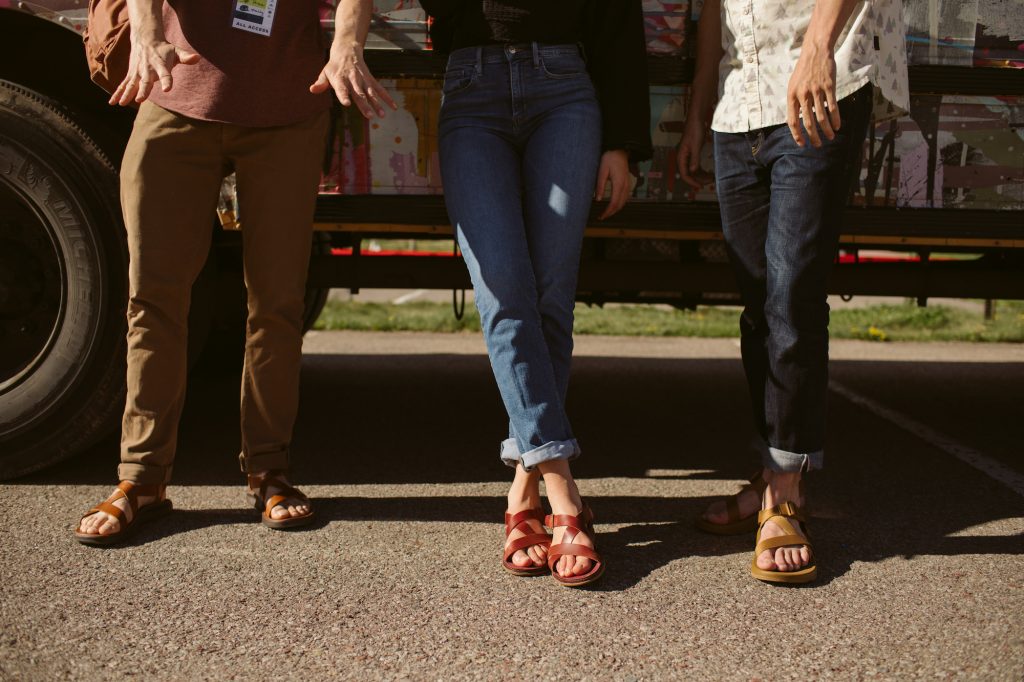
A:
(150, 63)
(347, 74)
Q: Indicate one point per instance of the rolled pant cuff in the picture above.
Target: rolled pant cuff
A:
(143, 474)
(549, 452)
(786, 462)
(265, 461)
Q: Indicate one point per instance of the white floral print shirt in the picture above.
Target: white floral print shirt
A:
(762, 40)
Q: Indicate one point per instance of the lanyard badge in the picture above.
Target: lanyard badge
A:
(254, 16)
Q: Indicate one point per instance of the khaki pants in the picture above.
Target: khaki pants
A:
(170, 183)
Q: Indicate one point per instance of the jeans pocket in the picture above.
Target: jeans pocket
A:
(457, 79)
(563, 66)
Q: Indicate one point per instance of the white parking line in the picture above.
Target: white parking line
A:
(411, 296)
(983, 463)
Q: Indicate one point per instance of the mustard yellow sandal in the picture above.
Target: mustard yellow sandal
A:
(781, 514)
(736, 524)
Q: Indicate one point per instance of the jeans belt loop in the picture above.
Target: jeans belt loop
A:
(583, 51)
(536, 54)
(479, 59)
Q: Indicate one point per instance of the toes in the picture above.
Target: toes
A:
(766, 562)
(521, 559)
(582, 565)
(535, 555)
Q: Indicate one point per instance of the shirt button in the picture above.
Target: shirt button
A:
(746, 10)
(750, 60)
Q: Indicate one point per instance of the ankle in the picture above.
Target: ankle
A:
(783, 487)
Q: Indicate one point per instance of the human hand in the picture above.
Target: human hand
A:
(615, 168)
(348, 75)
(811, 96)
(688, 154)
(151, 61)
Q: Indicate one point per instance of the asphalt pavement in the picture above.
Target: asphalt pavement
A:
(918, 527)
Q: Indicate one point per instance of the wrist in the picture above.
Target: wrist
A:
(148, 34)
(346, 45)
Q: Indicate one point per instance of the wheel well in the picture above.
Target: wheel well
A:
(45, 57)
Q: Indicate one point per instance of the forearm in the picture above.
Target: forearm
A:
(145, 17)
(827, 22)
(352, 22)
(704, 90)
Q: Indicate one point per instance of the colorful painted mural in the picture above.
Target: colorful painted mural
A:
(948, 152)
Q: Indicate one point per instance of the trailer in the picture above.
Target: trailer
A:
(941, 192)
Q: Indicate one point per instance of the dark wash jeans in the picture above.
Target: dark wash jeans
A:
(519, 144)
(782, 207)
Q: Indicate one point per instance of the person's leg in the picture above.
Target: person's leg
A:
(170, 180)
(810, 188)
(278, 172)
(560, 161)
(481, 168)
(482, 180)
(743, 183)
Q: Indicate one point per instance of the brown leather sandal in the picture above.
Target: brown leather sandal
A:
(736, 524)
(529, 539)
(781, 513)
(126, 527)
(285, 492)
(584, 523)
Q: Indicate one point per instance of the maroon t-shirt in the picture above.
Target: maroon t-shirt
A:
(242, 77)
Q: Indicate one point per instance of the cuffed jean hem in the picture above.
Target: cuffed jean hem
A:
(265, 461)
(786, 462)
(549, 452)
(143, 474)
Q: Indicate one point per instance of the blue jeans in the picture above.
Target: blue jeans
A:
(519, 145)
(781, 210)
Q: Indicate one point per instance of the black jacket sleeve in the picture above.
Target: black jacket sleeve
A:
(616, 50)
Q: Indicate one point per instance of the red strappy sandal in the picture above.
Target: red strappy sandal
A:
(584, 523)
(529, 539)
(126, 527)
(285, 492)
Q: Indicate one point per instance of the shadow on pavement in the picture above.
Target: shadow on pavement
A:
(436, 419)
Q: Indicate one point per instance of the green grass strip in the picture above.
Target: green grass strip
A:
(905, 322)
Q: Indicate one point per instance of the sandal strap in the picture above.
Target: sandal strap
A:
(525, 542)
(284, 491)
(781, 541)
(513, 521)
(732, 508)
(108, 508)
(582, 523)
(133, 491)
(786, 510)
(555, 552)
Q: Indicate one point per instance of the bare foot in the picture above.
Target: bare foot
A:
(289, 507)
(523, 495)
(102, 523)
(564, 497)
(783, 488)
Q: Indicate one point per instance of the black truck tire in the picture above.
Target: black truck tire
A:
(63, 279)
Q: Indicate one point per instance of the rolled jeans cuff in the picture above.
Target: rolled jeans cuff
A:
(549, 452)
(264, 461)
(143, 474)
(785, 462)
